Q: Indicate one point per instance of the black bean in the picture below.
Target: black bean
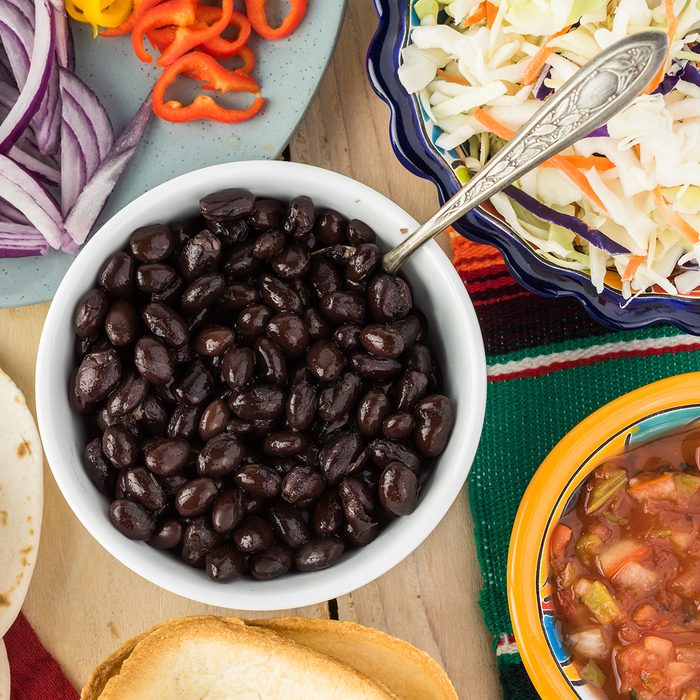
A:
(341, 308)
(273, 562)
(141, 486)
(299, 218)
(166, 324)
(325, 277)
(232, 203)
(154, 278)
(220, 456)
(381, 342)
(200, 255)
(434, 420)
(261, 402)
(303, 484)
(251, 322)
(228, 510)
(167, 534)
(237, 296)
(325, 360)
(337, 457)
(293, 261)
(289, 332)
(213, 341)
(409, 389)
(409, 328)
(131, 519)
(348, 337)
(268, 244)
(202, 292)
(151, 414)
(118, 276)
(382, 452)
(238, 367)
(252, 535)
(98, 374)
(330, 228)
(337, 400)
(152, 244)
(270, 363)
(398, 489)
(319, 553)
(99, 470)
(279, 295)
(128, 394)
(90, 313)
(317, 325)
(362, 263)
(328, 515)
(120, 446)
(268, 214)
(184, 421)
(388, 298)
(289, 524)
(194, 385)
(166, 456)
(259, 480)
(240, 261)
(153, 361)
(398, 426)
(358, 233)
(198, 539)
(195, 497)
(214, 419)
(224, 563)
(375, 368)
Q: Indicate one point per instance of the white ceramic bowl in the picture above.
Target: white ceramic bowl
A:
(454, 336)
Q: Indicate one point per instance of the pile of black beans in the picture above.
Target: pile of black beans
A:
(257, 393)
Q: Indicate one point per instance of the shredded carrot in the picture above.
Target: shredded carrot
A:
(540, 58)
(671, 31)
(476, 16)
(491, 12)
(459, 79)
(571, 171)
(632, 267)
(584, 162)
(656, 481)
(673, 218)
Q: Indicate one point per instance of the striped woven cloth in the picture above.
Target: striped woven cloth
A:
(549, 365)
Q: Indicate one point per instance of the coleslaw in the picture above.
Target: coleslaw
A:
(624, 199)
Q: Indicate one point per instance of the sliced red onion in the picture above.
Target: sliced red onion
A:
(9, 94)
(36, 167)
(48, 119)
(691, 74)
(86, 115)
(21, 241)
(73, 167)
(34, 88)
(79, 123)
(542, 211)
(91, 200)
(601, 131)
(65, 49)
(18, 56)
(24, 193)
(9, 213)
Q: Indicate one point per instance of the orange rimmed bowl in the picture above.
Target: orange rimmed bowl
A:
(631, 420)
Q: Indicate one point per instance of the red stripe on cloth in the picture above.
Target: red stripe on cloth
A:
(476, 286)
(499, 299)
(569, 364)
(34, 673)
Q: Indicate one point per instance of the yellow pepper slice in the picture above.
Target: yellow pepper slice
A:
(99, 13)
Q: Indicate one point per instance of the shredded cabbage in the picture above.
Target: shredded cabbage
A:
(644, 169)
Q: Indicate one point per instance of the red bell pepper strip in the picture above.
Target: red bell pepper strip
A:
(217, 46)
(256, 11)
(203, 67)
(187, 37)
(249, 63)
(140, 7)
(178, 12)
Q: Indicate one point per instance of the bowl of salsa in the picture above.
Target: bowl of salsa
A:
(604, 560)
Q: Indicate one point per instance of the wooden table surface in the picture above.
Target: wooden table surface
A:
(83, 603)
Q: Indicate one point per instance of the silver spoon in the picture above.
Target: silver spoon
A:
(584, 103)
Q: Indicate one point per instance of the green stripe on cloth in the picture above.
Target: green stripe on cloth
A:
(525, 418)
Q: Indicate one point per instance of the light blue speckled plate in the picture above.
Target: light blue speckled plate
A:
(288, 71)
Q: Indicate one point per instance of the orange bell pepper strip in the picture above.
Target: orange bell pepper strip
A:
(257, 14)
(139, 8)
(214, 76)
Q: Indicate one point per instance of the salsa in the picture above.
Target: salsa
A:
(625, 567)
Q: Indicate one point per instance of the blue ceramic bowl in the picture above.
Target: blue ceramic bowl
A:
(413, 138)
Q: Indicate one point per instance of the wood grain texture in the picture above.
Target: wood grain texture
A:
(83, 603)
(431, 599)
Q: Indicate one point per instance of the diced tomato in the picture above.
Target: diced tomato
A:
(661, 487)
(690, 694)
(589, 643)
(616, 555)
(689, 653)
(679, 674)
(633, 575)
(683, 540)
(687, 583)
(646, 615)
(642, 666)
(561, 536)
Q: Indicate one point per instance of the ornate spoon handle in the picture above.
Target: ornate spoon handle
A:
(585, 102)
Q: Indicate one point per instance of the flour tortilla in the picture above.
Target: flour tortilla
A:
(409, 673)
(21, 499)
(4, 673)
(210, 657)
